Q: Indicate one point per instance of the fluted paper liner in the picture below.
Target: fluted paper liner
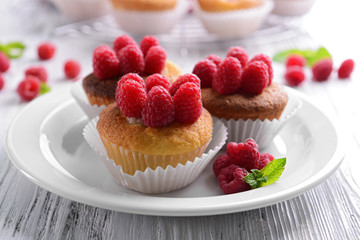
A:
(80, 96)
(150, 22)
(157, 180)
(263, 132)
(236, 23)
(292, 7)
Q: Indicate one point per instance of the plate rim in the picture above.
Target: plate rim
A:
(188, 209)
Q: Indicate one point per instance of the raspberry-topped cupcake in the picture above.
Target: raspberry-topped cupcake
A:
(109, 64)
(156, 127)
(243, 95)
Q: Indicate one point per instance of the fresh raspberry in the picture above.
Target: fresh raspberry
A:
(255, 78)
(187, 101)
(4, 62)
(322, 70)
(131, 76)
(240, 54)
(346, 69)
(267, 60)
(265, 158)
(157, 80)
(131, 98)
(29, 88)
(131, 60)
(215, 59)
(147, 42)
(188, 77)
(155, 60)
(221, 162)
(159, 109)
(228, 76)
(106, 65)
(2, 81)
(294, 76)
(205, 70)
(231, 179)
(245, 155)
(72, 68)
(46, 50)
(37, 71)
(122, 41)
(295, 60)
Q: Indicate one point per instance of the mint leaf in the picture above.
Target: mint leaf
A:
(266, 176)
(13, 49)
(281, 56)
(44, 88)
(311, 56)
(320, 54)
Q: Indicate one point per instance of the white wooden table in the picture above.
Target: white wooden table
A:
(331, 210)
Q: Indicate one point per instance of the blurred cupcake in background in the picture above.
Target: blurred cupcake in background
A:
(141, 17)
(292, 7)
(78, 10)
(236, 18)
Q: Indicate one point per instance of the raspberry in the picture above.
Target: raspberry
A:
(188, 77)
(130, 98)
(245, 155)
(187, 101)
(221, 162)
(322, 70)
(255, 78)
(2, 82)
(105, 63)
(346, 69)
(155, 60)
(267, 60)
(215, 59)
(295, 60)
(46, 50)
(72, 68)
(265, 158)
(29, 88)
(157, 80)
(131, 76)
(122, 41)
(240, 54)
(231, 179)
(131, 60)
(159, 109)
(205, 70)
(4, 62)
(147, 42)
(294, 76)
(37, 71)
(228, 76)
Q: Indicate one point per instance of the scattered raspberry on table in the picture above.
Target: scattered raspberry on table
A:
(346, 68)
(37, 71)
(29, 88)
(46, 50)
(72, 68)
(4, 62)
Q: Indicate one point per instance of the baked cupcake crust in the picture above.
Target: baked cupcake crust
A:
(227, 5)
(144, 5)
(267, 105)
(170, 140)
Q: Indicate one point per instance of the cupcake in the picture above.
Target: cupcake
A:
(141, 17)
(292, 7)
(153, 128)
(241, 93)
(232, 18)
(109, 64)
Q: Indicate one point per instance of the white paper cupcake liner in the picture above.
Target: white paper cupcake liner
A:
(80, 96)
(292, 7)
(159, 180)
(263, 132)
(237, 23)
(150, 22)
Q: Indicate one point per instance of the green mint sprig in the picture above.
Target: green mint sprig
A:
(311, 56)
(44, 88)
(266, 176)
(13, 49)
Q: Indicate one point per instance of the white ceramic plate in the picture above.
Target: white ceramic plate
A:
(45, 143)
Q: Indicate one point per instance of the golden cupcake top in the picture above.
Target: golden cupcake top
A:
(144, 5)
(227, 5)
